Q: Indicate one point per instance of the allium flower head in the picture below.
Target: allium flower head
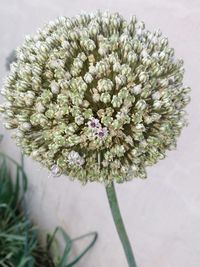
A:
(96, 97)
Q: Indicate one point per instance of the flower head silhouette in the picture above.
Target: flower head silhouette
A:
(96, 97)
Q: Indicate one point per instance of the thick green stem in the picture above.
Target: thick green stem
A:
(112, 198)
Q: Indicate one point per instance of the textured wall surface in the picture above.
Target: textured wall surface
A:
(162, 213)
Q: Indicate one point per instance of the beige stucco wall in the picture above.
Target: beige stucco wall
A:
(162, 213)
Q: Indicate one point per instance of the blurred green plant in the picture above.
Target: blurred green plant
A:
(19, 246)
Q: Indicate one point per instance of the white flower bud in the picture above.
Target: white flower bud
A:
(26, 126)
(141, 105)
(40, 108)
(137, 89)
(156, 96)
(79, 120)
(55, 171)
(88, 78)
(96, 97)
(105, 97)
(54, 87)
(116, 67)
(157, 104)
(143, 77)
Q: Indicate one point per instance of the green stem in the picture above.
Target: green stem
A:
(112, 198)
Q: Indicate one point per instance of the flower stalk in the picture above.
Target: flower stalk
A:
(115, 210)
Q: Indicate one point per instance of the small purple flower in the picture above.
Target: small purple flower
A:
(97, 129)
(55, 171)
(94, 123)
(80, 161)
(75, 159)
(102, 132)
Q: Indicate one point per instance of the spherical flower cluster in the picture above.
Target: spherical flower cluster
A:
(96, 97)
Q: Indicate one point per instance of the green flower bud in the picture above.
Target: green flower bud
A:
(105, 97)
